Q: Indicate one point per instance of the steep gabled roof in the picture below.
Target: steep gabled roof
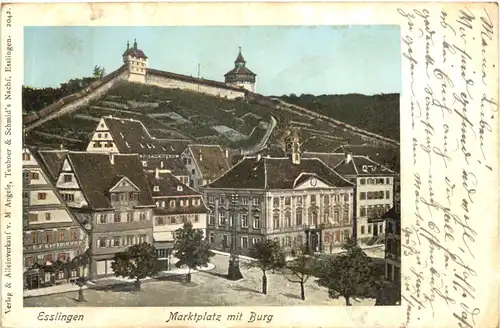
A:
(131, 136)
(97, 175)
(386, 156)
(276, 173)
(210, 160)
(169, 186)
(173, 164)
(53, 160)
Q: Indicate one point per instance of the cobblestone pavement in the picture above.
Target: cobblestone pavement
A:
(207, 289)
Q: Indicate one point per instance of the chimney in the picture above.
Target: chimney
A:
(200, 155)
(259, 156)
(112, 158)
(157, 173)
(348, 158)
(161, 164)
(226, 153)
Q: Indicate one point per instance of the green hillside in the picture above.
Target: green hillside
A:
(199, 118)
(378, 114)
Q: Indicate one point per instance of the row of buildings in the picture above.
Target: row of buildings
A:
(81, 208)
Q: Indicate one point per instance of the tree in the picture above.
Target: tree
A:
(348, 274)
(191, 248)
(299, 269)
(99, 72)
(137, 262)
(268, 256)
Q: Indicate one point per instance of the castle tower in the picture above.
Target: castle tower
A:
(240, 75)
(137, 63)
(292, 146)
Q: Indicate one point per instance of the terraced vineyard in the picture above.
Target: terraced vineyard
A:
(199, 118)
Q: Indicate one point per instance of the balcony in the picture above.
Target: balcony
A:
(54, 246)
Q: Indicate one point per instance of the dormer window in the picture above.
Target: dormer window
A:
(156, 188)
(144, 163)
(179, 188)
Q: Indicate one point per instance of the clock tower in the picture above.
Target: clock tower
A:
(292, 146)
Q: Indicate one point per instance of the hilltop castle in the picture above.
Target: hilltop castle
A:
(237, 80)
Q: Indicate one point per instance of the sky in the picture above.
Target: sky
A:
(317, 60)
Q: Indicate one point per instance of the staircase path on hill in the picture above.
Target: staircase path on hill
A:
(263, 143)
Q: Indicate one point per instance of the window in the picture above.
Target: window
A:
(60, 275)
(160, 220)
(288, 219)
(276, 220)
(362, 181)
(326, 216)
(336, 216)
(224, 241)
(369, 228)
(244, 242)
(299, 200)
(345, 216)
(362, 230)
(370, 181)
(34, 237)
(42, 196)
(362, 211)
(346, 234)
(48, 236)
(388, 180)
(196, 218)
(142, 216)
(117, 218)
(62, 257)
(48, 216)
(326, 199)
(171, 203)
(346, 197)
(313, 198)
(143, 239)
(192, 172)
(387, 194)
(156, 188)
(298, 217)
(60, 236)
(99, 135)
(173, 220)
(29, 261)
(256, 201)
(68, 197)
(390, 227)
(222, 218)
(101, 242)
(212, 238)
(97, 144)
(244, 221)
(34, 176)
(102, 218)
(244, 200)
(116, 241)
(362, 195)
(211, 199)
(256, 223)
(182, 203)
(68, 178)
(157, 204)
(211, 218)
(130, 217)
(26, 156)
(130, 240)
(114, 198)
(276, 201)
(74, 234)
(287, 201)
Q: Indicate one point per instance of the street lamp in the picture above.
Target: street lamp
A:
(234, 272)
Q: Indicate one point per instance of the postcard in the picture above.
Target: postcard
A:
(249, 165)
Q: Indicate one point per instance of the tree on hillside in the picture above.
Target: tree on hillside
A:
(268, 256)
(348, 274)
(137, 262)
(191, 248)
(299, 269)
(99, 72)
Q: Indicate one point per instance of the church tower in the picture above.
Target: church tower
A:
(292, 146)
(137, 63)
(240, 75)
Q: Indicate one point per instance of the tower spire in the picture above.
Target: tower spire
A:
(135, 44)
(128, 45)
